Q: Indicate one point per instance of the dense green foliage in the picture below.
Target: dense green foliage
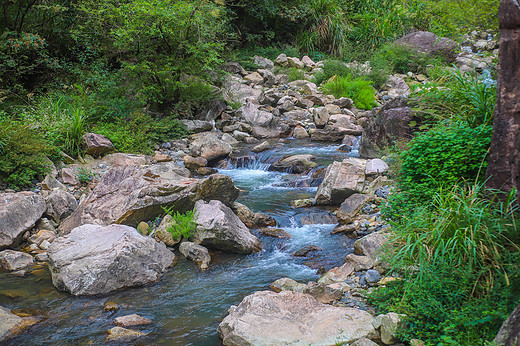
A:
(459, 255)
(183, 225)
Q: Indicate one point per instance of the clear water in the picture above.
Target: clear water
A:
(187, 305)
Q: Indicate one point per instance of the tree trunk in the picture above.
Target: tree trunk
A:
(503, 170)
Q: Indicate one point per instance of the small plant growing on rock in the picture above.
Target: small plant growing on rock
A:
(84, 175)
(182, 224)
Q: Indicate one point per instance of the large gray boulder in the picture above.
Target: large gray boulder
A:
(234, 90)
(19, 212)
(509, 333)
(342, 179)
(95, 144)
(293, 318)
(429, 43)
(209, 146)
(130, 194)
(218, 227)
(96, 259)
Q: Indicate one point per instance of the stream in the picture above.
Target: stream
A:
(187, 305)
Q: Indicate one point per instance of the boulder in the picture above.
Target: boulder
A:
(19, 212)
(370, 245)
(359, 262)
(262, 62)
(264, 124)
(295, 163)
(261, 147)
(50, 183)
(509, 333)
(363, 342)
(295, 62)
(194, 163)
(252, 219)
(235, 67)
(60, 204)
(162, 234)
(129, 194)
(376, 166)
(131, 320)
(321, 116)
(385, 126)
(390, 323)
(234, 140)
(397, 87)
(197, 253)
(300, 132)
(325, 294)
(9, 323)
(96, 145)
(281, 60)
(68, 175)
(123, 159)
(274, 232)
(351, 207)
(234, 90)
(197, 126)
(254, 78)
(309, 64)
(269, 77)
(292, 318)
(342, 179)
(94, 259)
(428, 43)
(14, 260)
(286, 284)
(337, 274)
(220, 228)
(209, 146)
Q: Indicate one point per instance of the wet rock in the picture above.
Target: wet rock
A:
(110, 306)
(295, 163)
(317, 218)
(337, 274)
(303, 203)
(376, 166)
(123, 334)
(14, 260)
(429, 43)
(257, 320)
(210, 147)
(286, 284)
(162, 234)
(351, 207)
(60, 204)
(274, 232)
(252, 219)
(342, 179)
(19, 212)
(9, 323)
(219, 227)
(131, 320)
(197, 126)
(96, 145)
(197, 253)
(306, 251)
(261, 147)
(94, 259)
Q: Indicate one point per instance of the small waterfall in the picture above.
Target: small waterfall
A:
(258, 162)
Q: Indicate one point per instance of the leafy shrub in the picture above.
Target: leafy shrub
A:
(359, 90)
(401, 59)
(333, 68)
(443, 156)
(182, 225)
(292, 72)
(23, 153)
(459, 255)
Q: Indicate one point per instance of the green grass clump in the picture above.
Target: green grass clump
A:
(183, 224)
(459, 256)
(358, 89)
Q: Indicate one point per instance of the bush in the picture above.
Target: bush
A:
(333, 68)
(459, 255)
(182, 225)
(401, 59)
(358, 89)
(292, 72)
(23, 153)
(442, 156)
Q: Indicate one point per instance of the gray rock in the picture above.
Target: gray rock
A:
(321, 116)
(372, 276)
(209, 146)
(131, 320)
(337, 274)
(286, 284)
(96, 144)
(342, 179)
(219, 227)
(19, 212)
(51, 183)
(370, 245)
(359, 262)
(300, 132)
(363, 342)
(263, 62)
(94, 259)
(292, 318)
(197, 126)
(376, 166)
(194, 163)
(351, 207)
(261, 147)
(281, 60)
(8, 324)
(390, 323)
(236, 91)
(162, 234)
(14, 260)
(254, 78)
(197, 253)
(429, 43)
(509, 332)
(295, 163)
(60, 204)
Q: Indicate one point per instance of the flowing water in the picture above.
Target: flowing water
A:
(187, 305)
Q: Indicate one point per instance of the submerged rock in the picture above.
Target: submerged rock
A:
(96, 259)
(131, 320)
(268, 318)
(220, 228)
(19, 212)
(123, 334)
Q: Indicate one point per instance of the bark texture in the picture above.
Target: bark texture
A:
(503, 170)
